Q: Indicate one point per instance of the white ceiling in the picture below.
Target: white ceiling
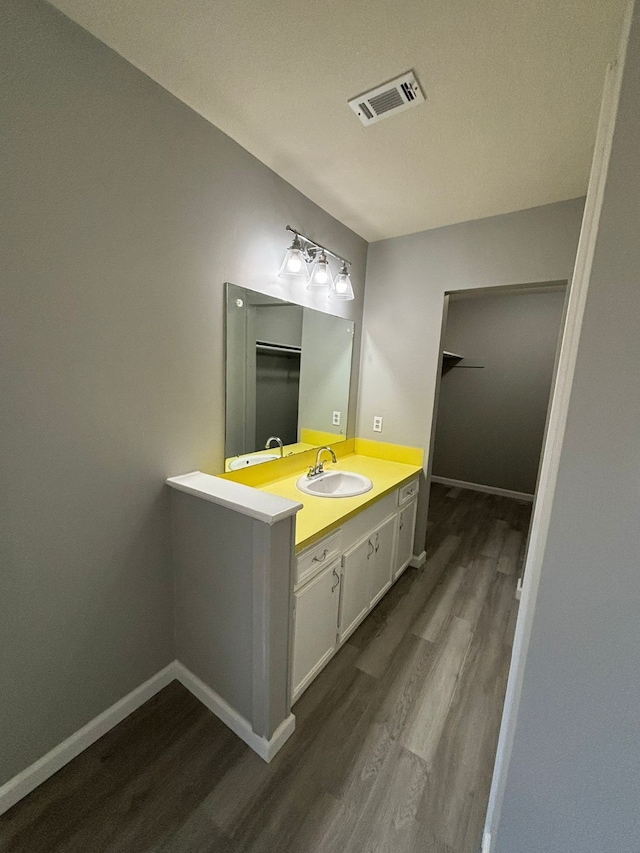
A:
(513, 89)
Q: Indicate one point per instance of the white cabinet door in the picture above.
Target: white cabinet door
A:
(383, 541)
(315, 626)
(406, 528)
(355, 599)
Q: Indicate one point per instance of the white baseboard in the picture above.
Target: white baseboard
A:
(519, 589)
(477, 487)
(29, 779)
(37, 773)
(486, 842)
(266, 749)
(418, 561)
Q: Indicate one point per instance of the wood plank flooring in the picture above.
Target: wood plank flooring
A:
(394, 746)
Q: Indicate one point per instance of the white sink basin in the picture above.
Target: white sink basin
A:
(335, 484)
(248, 461)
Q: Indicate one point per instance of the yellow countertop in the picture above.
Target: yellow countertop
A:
(320, 515)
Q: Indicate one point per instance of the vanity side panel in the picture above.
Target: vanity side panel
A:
(213, 560)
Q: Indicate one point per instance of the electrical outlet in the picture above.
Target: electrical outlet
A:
(336, 419)
(377, 423)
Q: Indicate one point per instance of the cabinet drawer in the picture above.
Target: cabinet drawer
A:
(410, 490)
(312, 559)
(361, 525)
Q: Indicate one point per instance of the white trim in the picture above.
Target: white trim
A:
(243, 499)
(519, 589)
(342, 638)
(266, 749)
(486, 843)
(29, 779)
(417, 561)
(278, 738)
(477, 487)
(306, 681)
(557, 422)
(385, 589)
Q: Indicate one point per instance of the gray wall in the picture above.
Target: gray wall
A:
(325, 373)
(407, 278)
(123, 214)
(491, 419)
(573, 783)
(278, 324)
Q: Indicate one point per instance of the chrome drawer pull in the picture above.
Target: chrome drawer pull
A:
(337, 583)
(321, 559)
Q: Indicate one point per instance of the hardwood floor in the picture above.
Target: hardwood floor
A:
(394, 746)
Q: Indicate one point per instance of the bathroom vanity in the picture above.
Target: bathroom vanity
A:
(271, 581)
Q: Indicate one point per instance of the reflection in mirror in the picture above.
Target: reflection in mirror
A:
(287, 377)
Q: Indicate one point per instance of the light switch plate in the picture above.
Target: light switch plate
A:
(377, 423)
(336, 419)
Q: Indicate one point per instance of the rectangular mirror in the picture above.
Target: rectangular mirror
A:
(288, 375)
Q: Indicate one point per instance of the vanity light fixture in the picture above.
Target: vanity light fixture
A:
(304, 251)
(342, 288)
(294, 265)
(321, 278)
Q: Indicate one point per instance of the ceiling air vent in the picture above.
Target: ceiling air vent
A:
(386, 100)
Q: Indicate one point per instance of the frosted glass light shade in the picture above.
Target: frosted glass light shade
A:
(321, 278)
(342, 288)
(294, 265)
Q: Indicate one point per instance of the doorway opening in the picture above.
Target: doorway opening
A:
(499, 356)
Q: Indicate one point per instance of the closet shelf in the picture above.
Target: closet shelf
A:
(449, 361)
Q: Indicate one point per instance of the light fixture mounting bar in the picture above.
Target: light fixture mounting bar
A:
(318, 245)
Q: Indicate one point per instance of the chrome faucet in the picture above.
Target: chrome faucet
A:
(278, 440)
(318, 468)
